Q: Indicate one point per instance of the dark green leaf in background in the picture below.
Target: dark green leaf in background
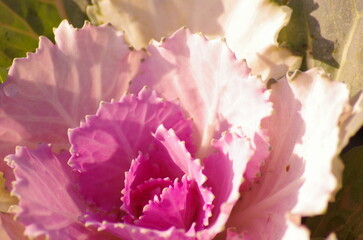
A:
(328, 33)
(3, 74)
(75, 11)
(23, 21)
(83, 4)
(345, 215)
(16, 36)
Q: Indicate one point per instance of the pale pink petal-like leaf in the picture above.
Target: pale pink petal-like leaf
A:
(352, 120)
(321, 139)
(192, 168)
(181, 205)
(208, 82)
(293, 231)
(298, 176)
(251, 30)
(106, 143)
(262, 150)
(179, 154)
(49, 202)
(224, 170)
(233, 234)
(250, 27)
(53, 89)
(132, 232)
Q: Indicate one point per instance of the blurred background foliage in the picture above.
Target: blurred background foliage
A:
(328, 33)
(23, 21)
(345, 215)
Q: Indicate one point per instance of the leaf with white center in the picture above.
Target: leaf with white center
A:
(250, 27)
(208, 82)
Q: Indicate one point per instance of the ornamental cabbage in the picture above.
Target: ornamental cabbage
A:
(178, 142)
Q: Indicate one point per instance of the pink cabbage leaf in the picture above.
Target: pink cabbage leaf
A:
(297, 177)
(68, 82)
(49, 201)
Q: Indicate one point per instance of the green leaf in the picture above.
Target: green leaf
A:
(3, 74)
(75, 11)
(23, 21)
(82, 4)
(345, 215)
(328, 34)
(16, 36)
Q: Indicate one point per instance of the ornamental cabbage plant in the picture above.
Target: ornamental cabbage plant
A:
(177, 142)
